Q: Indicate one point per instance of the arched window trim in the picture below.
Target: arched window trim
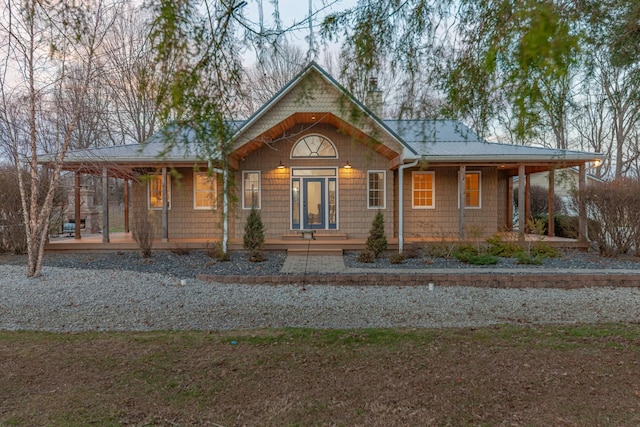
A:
(299, 141)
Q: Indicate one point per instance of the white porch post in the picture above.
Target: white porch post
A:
(105, 206)
(521, 202)
(165, 206)
(582, 209)
(461, 197)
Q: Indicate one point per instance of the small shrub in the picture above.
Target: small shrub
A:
(411, 252)
(501, 248)
(253, 233)
(438, 250)
(377, 241)
(397, 258)
(214, 251)
(544, 250)
(465, 252)
(484, 259)
(527, 259)
(181, 251)
(143, 231)
(366, 256)
(256, 256)
(566, 226)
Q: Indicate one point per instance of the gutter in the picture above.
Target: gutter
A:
(401, 202)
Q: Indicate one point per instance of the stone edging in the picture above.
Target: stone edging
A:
(483, 280)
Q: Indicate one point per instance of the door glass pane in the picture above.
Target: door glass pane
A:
(314, 202)
(295, 202)
(332, 202)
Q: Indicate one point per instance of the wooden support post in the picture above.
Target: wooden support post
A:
(105, 205)
(582, 209)
(126, 205)
(165, 206)
(521, 202)
(76, 232)
(527, 202)
(551, 201)
(461, 197)
(509, 183)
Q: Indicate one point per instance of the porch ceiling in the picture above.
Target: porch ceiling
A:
(279, 131)
(123, 171)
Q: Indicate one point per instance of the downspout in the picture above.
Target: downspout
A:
(401, 202)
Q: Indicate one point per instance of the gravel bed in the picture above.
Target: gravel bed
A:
(66, 299)
(119, 291)
(85, 295)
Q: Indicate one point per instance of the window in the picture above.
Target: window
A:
(376, 190)
(205, 191)
(422, 190)
(472, 194)
(154, 191)
(250, 189)
(314, 146)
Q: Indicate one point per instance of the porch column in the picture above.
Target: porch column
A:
(551, 203)
(582, 209)
(461, 186)
(521, 202)
(77, 207)
(527, 202)
(105, 206)
(509, 183)
(165, 206)
(552, 192)
(126, 205)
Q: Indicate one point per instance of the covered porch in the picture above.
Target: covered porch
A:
(294, 244)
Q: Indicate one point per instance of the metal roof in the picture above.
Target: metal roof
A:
(451, 141)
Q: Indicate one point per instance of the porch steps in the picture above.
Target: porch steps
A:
(314, 251)
(318, 236)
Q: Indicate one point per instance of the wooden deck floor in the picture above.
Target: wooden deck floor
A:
(125, 242)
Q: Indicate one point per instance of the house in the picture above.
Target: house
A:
(315, 158)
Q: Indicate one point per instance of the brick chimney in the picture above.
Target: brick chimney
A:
(374, 97)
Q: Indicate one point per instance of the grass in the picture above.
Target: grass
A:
(501, 375)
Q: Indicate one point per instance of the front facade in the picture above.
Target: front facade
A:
(314, 158)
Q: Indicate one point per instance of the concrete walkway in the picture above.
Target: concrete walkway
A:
(300, 264)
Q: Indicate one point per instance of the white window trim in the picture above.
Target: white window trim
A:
(384, 189)
(335, 149)
(479, 173)
(215, 192)
(168, 192)
(244, 204)
(433, 191)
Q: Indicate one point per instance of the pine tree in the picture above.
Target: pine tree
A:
(254, 235)
(377, 241)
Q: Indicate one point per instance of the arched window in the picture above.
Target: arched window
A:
(314, 146)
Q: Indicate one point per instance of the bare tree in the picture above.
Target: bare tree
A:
(42, 42)
(132, 83)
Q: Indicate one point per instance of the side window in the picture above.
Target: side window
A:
(154, 192)
(376, 190)
(205, 191)
(472, 191)
(422, 189)
(251, 189)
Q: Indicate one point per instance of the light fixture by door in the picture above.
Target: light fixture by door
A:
(281, 165)
(347, 165)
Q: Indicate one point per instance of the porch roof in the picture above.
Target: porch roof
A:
(452, 142)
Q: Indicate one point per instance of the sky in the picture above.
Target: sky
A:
(292, 15)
